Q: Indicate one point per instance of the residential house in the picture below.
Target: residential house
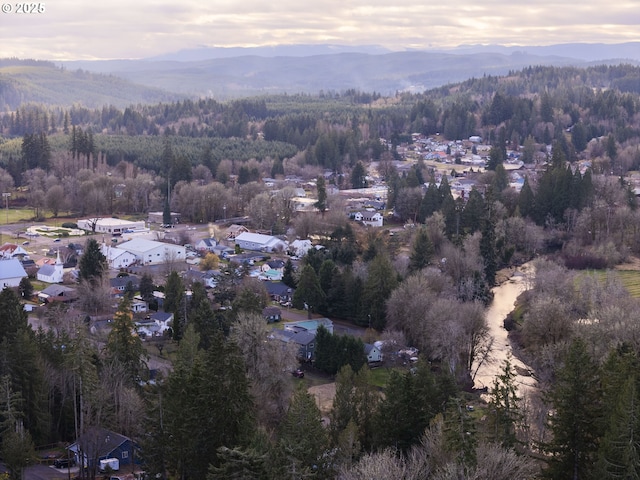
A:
(260, 242)
(208, 278)
(272, 270)
(119, 284)
(277, 265)
(206, 245)
(310, 325)
(163, 320)
(138, 306)
(11, 272)
(11, 250)
(369, 218)
(373, 353)
(223, 251)
(299, 248)
(279, 292)
(272, 314)
(97, 444)
(57, 293)
(234, 230)
(304, 339)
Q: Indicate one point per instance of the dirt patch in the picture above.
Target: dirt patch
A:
(632, 264)
(324, 396)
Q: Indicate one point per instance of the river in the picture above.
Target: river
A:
(504, 298)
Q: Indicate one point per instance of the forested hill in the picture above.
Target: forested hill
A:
(30, 81)
(250, 75)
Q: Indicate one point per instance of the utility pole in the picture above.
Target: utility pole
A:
(6, 196)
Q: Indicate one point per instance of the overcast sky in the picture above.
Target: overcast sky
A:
(73, 29)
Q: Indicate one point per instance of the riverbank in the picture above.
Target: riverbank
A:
(511, 283)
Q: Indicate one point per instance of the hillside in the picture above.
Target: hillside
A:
(42, 82)
(251, 75)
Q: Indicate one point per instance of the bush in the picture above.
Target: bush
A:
(69, 225)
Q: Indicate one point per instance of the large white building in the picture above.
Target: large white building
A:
(11, 272)
(149, 252)
(110, 225)
(259, 242)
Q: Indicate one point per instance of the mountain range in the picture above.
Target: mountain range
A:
(226, 73)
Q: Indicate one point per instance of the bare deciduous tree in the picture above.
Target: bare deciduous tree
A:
(269, 362)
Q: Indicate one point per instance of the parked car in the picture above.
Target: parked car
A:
(298, 373)
(64, 462)
(57, 240)
(25, 243)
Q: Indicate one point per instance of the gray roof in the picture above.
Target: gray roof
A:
(98, 442)
(56, 290)
(162, 316)
(11, 269)
(47, 270)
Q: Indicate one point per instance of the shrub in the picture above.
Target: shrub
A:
(69, 225)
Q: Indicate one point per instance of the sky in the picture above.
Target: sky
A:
(114, 29)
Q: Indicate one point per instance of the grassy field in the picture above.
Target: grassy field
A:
(630, 279)
(25, 215)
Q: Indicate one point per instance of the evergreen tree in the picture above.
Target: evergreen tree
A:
(309, 292)
(381, 281)
(460, 433)
(526, 199)
(488, 251)
(575, 398)
(495, 158)
(174, 303)
(303, 439)
(202, 316)
(422, 252)
(123, 345)
(504, 409)
(321, 203)
(93, 263)
(147, 287)
(287, 275)
(473, 212)
(396, 422)
(206, 406)
(358, 176)
(431, 201)
(239, 464)
(328, 271)
(26, 288)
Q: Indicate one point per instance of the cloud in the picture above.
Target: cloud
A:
(118, 29)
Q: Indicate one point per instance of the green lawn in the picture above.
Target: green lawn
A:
(25, 215)
(630, 279)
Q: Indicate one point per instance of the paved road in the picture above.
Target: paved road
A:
(44, 472)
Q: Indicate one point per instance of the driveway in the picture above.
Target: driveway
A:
(44, 472)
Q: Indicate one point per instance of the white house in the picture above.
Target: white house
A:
(300, 248)
(117, 257)
(11, 272)
(206, 245)
(259, 242)
(373, 353)
(150, 252)
(51, 273)
(11, 250)
(138, 306)
(372, 219)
